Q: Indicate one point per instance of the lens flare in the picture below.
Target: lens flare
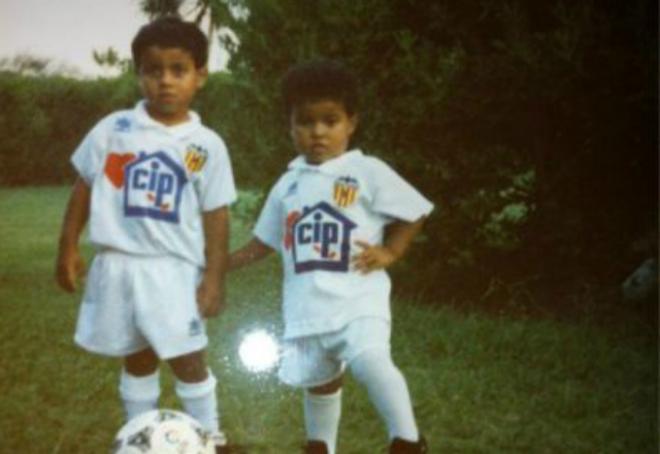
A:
(258, 351)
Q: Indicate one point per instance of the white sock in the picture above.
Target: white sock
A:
(200, 401)
(139, 394)
(322, 413)
(388, 392)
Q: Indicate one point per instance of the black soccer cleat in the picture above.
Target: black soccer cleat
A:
(400, 446)
(316, 447)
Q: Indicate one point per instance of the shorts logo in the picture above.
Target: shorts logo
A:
(153, 186)
(195, 158)
(194, 327)
(320, 239)
(345, 191)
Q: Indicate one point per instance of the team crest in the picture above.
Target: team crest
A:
(345, 191)
(195, 158)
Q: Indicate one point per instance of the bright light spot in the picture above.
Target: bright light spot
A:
(258, 351)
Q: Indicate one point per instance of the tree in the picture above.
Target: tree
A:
(528, 123)
(158, 8)
(110, 58)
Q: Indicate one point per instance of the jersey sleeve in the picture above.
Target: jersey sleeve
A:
(394, 197)
(88, 157)
(269, 228)
(217, 188)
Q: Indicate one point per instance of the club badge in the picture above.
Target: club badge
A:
(195, 158)
(345, 191)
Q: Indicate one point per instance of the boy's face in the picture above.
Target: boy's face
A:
(321, 130)
(169, 81)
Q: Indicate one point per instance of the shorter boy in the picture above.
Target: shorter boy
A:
(338, 218)
(155, 185)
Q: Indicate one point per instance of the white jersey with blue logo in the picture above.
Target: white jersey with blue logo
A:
(313, 216)
(151, 183)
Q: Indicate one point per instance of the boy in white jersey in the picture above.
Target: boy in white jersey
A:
(155, 185)
(338, 218)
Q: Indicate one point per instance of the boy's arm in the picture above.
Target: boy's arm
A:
(252, 252)
(211, 290)
(398, 236)
(69, 265)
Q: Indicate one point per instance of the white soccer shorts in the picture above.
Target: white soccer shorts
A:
(134, 302)
(312, 361)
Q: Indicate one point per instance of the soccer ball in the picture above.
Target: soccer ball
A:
(163, 432)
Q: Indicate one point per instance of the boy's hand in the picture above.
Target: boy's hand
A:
(372, 257)
(210, 296)
(69, 269)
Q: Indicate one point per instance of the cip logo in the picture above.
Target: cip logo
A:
(321, 239)
(153, 186)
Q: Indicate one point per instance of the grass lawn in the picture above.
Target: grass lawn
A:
(481, 384)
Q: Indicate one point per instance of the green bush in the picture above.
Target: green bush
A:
(529, 124)
(44, 118)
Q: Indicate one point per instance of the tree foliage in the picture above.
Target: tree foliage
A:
(530, 124)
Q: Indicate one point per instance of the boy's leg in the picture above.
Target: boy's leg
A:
(322, 406)
(388, 392)
(139, 384)
(196, 386)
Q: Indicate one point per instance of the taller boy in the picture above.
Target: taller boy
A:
(155, 185)
(338, 218)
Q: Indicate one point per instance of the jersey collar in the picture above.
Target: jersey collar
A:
(331, 167)
(181, 130)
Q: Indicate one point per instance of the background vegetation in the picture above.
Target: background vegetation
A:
(531, 125)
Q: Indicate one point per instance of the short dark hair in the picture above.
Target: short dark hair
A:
(320, 79)
(168, 32)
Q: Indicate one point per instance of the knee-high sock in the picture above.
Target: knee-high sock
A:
(139, 394)
(322, 414)
(200, 401)
(388, 392)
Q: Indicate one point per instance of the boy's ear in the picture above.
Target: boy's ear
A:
(202, 76)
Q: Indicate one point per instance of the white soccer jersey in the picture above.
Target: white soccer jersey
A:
(150, 183)
(313, 216)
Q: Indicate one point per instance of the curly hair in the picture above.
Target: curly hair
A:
(320, 80)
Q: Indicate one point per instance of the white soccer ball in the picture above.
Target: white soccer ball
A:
(163, 432)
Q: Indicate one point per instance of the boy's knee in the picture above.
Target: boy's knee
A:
(190, 367)
(142, 363)
(328, 388)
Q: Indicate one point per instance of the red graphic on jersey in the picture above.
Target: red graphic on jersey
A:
(114, 167)
(152, 198)
(288, 229)
(162, 206)
(331, 254)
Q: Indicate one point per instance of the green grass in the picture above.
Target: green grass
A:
(480, 384)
